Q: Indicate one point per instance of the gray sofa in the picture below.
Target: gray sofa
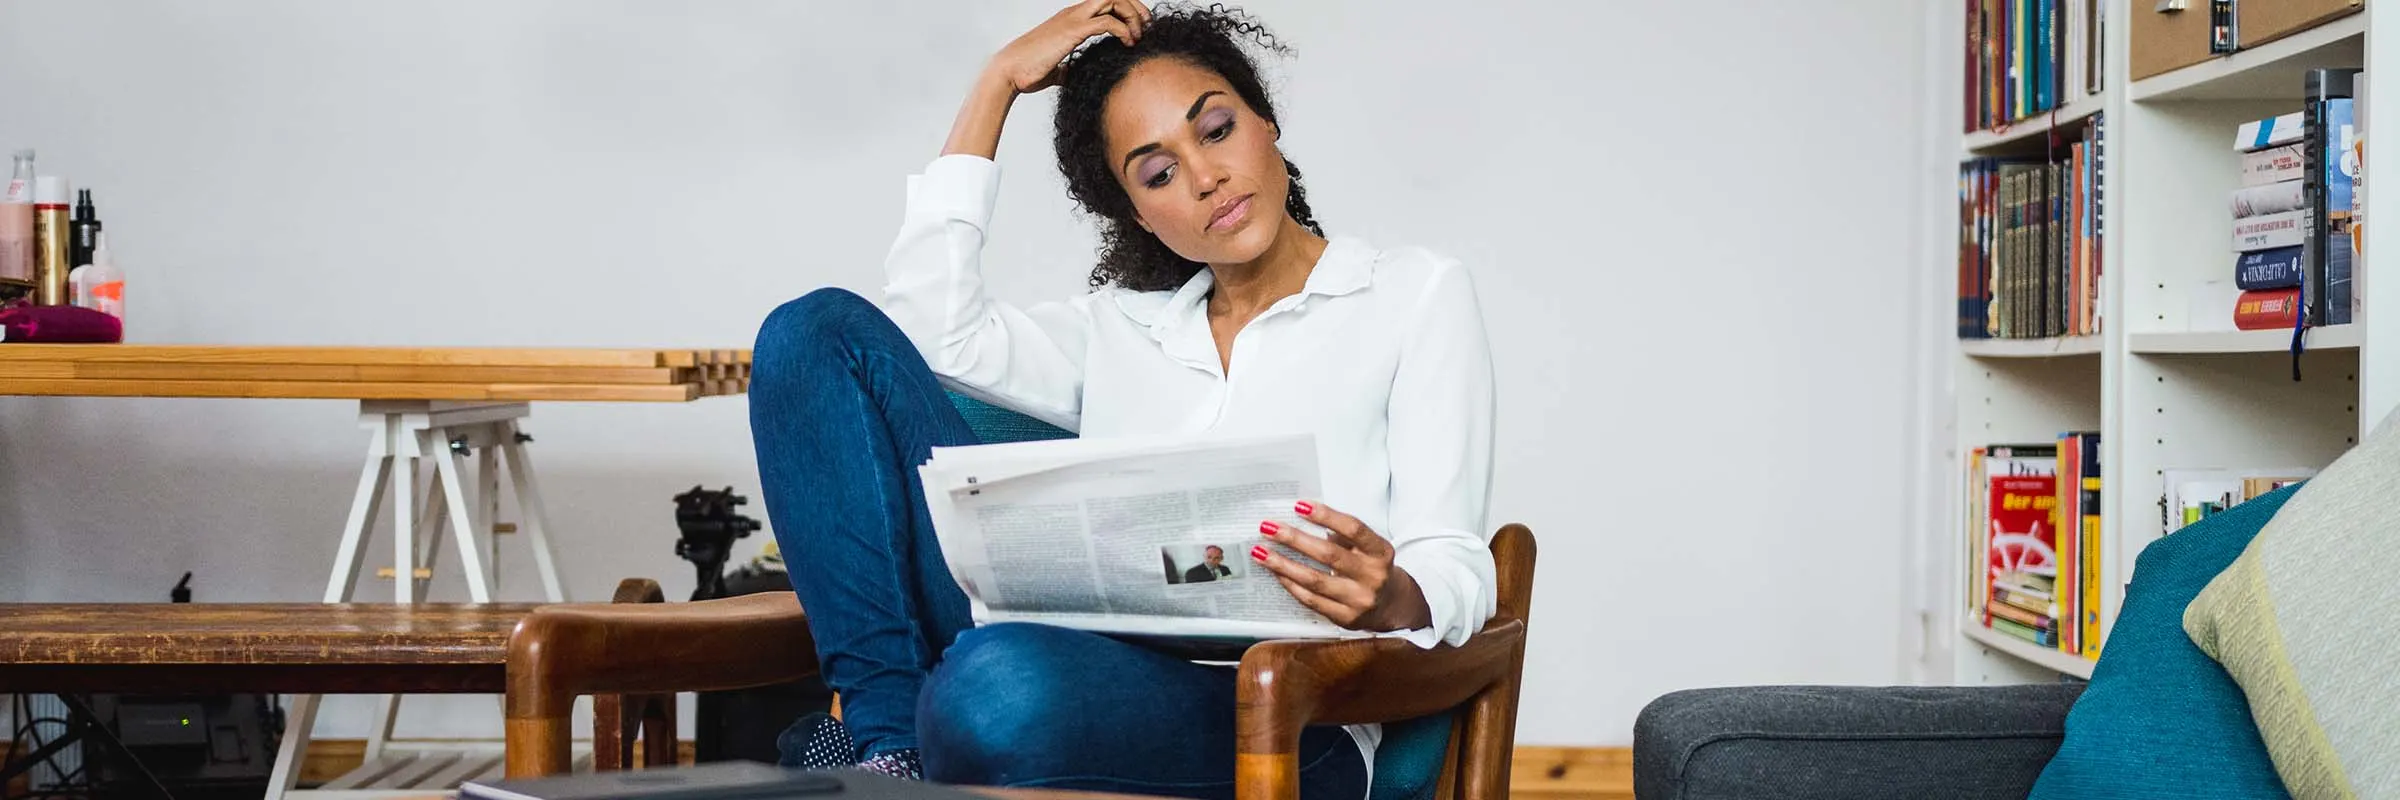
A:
(1853, 743)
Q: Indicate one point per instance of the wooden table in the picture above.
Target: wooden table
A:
(420, 406)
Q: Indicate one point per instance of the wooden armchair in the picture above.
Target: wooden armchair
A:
(634, 655)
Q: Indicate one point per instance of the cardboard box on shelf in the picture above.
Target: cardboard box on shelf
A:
(2167, 36)
(2258, 22)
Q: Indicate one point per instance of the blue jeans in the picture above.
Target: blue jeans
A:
(842, 410)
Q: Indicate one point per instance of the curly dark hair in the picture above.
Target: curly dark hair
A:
(1211, 38)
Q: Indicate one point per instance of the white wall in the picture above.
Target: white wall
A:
(1681, 217)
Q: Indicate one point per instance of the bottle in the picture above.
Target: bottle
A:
(50, 241)
(100, 285)
(16, 225)
(85, 231)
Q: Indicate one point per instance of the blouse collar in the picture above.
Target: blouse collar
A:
(1180, 323)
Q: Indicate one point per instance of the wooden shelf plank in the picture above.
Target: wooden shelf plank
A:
(2269, 71)
(111, 370)
(2046, 658)
(2031, 348)
(353, 356)
(349, 390)
(2337, 337)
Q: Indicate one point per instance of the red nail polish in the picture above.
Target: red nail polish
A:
(1267, 528)
(1304, 508)
(1258, 553)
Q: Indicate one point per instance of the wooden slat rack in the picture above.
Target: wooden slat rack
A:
(463, 374)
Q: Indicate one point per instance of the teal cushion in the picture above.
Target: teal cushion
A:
(1408, 760)
(2160, 718)
(995, 425)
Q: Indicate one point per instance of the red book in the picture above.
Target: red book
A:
(2022, 551)
(2267, 309)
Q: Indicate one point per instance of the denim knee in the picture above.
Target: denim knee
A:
(818, 317)
(1000, 706)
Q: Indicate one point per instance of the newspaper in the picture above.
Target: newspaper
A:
(1146, 536)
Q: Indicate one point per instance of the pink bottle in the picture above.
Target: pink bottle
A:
(16, 224)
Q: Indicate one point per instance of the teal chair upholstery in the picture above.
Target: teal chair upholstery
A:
(1409, 760)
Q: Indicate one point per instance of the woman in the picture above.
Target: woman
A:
(1219, 308)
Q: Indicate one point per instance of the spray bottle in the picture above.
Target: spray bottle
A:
(83, 230)
(100, 285)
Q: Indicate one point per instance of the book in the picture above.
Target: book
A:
(2088, 533)
(2358, 184)
(2261, 134)
(2267, 309)
(2274, 268)
(2268, 198)
(2273, 165)
(1113, 535)
(2018, 540)
(2280, 229)
(2328, 133)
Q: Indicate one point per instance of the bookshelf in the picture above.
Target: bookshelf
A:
(2066, 116)
(2336, 337)
(2032, 348)
(2168, 381)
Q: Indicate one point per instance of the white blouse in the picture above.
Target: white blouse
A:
(1381, 354)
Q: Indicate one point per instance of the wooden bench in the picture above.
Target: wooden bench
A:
(284, 648)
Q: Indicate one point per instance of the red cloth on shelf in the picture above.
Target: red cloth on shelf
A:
(23, 321)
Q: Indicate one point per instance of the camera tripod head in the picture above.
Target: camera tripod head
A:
(709, 526)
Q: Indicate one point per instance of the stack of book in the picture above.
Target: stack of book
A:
(2269, 222)
(2293, 211)
(2035, 536)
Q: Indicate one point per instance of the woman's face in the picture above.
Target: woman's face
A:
(1201, 167)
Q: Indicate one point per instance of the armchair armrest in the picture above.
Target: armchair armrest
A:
(563, 651)
(1857, 742)
(1287, 685)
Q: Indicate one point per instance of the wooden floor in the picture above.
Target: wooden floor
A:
(1572, 773)
(1541, 773)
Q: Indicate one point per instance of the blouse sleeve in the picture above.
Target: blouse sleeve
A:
(1027, 359)
(1441, 454)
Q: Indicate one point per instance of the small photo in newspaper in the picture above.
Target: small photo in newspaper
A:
(1203, 563)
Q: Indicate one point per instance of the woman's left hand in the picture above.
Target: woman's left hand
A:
(1365, 591)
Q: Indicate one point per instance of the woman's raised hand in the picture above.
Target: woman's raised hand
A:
(1032, 61)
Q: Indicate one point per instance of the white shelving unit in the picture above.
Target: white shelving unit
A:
(2168, 386)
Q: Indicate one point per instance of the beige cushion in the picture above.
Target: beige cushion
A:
(2307, 621)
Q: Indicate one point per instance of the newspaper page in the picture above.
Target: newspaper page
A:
(1138, 536)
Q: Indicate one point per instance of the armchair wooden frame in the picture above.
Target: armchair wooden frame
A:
(632, 656)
